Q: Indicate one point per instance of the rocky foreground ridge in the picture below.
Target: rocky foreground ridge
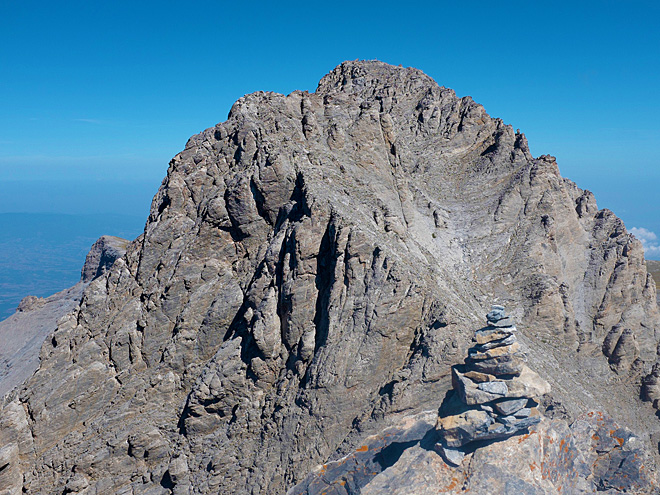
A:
(310, 271)
(492, 439)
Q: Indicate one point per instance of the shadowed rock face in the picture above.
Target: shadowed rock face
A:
(102, 256)
(310, 269)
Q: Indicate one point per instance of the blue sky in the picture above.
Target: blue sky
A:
(96, 97)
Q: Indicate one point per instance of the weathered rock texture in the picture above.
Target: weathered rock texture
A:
(653, 267)
(592, 455)
(102, 256)
(23, 333)
(310, 269)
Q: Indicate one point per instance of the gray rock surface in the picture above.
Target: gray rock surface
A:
(23, 333)
(653, 267)
(102, 256)
(591, 455)
(511, 406)
(310, 270)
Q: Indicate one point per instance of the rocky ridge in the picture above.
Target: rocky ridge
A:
(102, 256)
(654, 269)
(23, 333)
(591, 455)
(310, 270)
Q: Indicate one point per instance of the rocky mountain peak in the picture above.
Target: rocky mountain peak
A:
(368, 78)
(310, 271)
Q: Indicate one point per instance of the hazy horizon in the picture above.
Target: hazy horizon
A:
(43, 253)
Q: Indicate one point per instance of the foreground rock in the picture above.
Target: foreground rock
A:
(310, 270)
(494, 393)
(592, 455)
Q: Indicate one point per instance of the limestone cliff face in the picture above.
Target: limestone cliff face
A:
(309, 271)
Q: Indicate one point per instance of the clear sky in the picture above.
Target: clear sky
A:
(96, 97)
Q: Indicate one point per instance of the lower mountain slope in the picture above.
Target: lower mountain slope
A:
(310, 270)
(23, 333)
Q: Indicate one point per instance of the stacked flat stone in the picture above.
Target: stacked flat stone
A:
(494, 391)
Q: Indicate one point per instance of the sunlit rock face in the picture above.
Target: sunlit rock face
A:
(591, 455)
(310, 270)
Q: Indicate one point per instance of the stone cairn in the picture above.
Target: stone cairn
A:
(494, 392)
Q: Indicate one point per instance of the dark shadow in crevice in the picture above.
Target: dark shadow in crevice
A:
(491, 149)
(166, 481)
(392, 453)
(325, 274)
(259, 201)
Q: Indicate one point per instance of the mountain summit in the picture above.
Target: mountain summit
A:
(310, 271)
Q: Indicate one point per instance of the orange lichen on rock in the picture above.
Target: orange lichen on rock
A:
(450, 486)
(364, 448)
(523, 438)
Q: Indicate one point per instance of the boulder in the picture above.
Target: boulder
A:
(507, 364)
(463, 428)
(510, 406)
(490, 334)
